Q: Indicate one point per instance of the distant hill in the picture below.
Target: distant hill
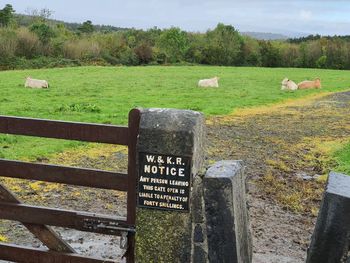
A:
(317, 37)
(26, 20)
(265, 36)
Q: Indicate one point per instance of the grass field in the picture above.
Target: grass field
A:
(106, 94)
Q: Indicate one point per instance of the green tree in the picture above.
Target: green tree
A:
(313, 53)
(224, 46)
(337, 54)
(173, 43)
(152, 35)
(43, 31)
(251, 52)
(87, 27)
(270, 55)
(321, 62)
(289, 54)
(6, 15)
(195, 52)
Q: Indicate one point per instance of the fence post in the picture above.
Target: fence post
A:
(229, 236)
(169, 159)
(330, 240)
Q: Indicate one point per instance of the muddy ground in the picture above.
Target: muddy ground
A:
(282, 147)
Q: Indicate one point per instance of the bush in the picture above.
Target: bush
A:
(39, 62)
(110, 59)
(8, 43)
(111, 44)
(159, 56)
(28, 44)
(129, 58)
(43, 31)
(10, 62)
(63, 62)
(144, 53)
(81, 49)
(321, 62)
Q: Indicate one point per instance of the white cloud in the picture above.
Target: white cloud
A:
(305, 15)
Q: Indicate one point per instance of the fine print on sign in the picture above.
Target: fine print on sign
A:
(164, 182)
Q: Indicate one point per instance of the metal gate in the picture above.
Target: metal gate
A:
(38, 219)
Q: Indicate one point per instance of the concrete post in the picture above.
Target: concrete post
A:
(170, 158)
(330, 240)
(229, 236)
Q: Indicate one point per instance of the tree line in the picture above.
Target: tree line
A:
(35, 41)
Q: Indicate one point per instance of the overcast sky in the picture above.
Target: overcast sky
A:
(276, 16)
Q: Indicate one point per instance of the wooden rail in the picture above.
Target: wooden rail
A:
(65, 130)
(30, 255)
(42, 232)
(36, 218)
(65, 175)
(82, 221)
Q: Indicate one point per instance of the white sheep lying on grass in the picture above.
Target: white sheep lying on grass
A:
(288, 84)
(36, 83)
(214, 82)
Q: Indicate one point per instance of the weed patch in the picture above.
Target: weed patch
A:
(80, 107)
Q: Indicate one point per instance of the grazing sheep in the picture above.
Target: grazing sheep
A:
(288, 84)
(36, 83)
(214, 82)
(310, 84)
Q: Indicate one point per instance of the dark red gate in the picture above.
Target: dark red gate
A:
(38, 219)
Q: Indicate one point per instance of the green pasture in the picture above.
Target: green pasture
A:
(106, 94)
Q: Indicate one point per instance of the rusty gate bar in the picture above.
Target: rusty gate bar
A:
(63, 174)
(65, 130)
(134, 123)
(82, 221)
(30, 255)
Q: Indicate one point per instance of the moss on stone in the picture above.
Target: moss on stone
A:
(162, 236)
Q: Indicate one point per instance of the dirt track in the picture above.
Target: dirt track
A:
(280, 148)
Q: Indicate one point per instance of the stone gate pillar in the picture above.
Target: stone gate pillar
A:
(170, 220)
(330, 240)
(229, 236)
